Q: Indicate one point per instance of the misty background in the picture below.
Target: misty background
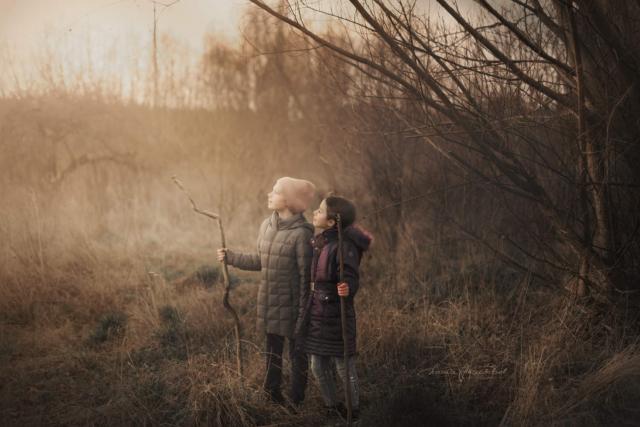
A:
(497, 175)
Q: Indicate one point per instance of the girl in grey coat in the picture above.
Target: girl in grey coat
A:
(284, 257)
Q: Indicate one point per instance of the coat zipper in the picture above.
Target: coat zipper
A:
(266, 311)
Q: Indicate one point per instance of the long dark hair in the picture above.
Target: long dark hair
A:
(344, 207)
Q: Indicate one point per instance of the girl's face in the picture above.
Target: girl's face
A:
(320, 219)
(276, 200)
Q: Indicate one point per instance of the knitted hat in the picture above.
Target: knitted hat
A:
(298, 192)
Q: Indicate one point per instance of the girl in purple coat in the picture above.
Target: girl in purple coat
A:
(321, 327)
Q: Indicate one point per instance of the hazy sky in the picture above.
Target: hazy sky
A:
(114, 34)
(25, 22)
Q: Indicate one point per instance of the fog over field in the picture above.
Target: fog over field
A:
(489, 147)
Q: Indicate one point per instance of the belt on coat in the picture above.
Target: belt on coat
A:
(323, 286)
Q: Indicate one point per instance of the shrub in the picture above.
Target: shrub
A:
(109, 326)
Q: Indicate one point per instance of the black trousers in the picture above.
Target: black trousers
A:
(299, 369)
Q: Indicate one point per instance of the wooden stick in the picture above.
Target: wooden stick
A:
(225, 274)
(343, 319)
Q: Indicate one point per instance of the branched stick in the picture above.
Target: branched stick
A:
(225, 273)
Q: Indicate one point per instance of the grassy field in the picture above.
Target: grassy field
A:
(101, 337)
(111, 304)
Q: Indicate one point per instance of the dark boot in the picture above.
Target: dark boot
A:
(342, 411)
(275, 397)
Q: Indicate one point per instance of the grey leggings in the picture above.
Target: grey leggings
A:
(322, 368)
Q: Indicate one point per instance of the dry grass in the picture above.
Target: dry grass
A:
(100, 340)
(110, 311)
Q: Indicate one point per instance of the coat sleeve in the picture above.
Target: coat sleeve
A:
(248, 261)
(351, 256)
(304, 253)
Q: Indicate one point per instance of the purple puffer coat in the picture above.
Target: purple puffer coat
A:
(320, 327)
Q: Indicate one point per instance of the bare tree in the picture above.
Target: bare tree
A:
(577, 61)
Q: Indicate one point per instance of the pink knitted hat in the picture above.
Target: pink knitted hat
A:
(298, 192)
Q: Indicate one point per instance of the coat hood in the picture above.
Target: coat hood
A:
(356, 234)
(359, 236)
(294, 221)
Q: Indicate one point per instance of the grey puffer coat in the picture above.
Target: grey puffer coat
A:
(284, 257)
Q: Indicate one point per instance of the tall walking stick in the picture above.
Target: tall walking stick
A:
(343, 320)
(225, 274)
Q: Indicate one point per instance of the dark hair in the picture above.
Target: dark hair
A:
(339, 205)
